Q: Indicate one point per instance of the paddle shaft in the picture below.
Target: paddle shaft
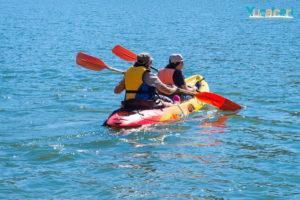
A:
(186, 91)
(178, 89)
(114, 69)
(96, 64)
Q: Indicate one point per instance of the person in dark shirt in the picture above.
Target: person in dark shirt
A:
(172, 73)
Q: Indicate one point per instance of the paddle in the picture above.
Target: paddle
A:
(208, 97)
(126, 54)
(93, 63)
(218, 101)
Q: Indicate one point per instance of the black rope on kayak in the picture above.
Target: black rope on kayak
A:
(202, 79)
(138, 112)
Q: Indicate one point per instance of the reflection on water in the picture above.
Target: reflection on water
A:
(219, 122)
(214, 126)
(178, 133)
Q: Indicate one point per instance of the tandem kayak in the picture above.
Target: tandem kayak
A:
(130, 119)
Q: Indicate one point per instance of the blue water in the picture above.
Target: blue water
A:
(52, 144)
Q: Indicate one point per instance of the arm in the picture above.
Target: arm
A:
(189, 88)
(154, 81)
(166, 89)
(178, 79)
(120, 87)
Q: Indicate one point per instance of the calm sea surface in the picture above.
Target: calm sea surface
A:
(52, 144)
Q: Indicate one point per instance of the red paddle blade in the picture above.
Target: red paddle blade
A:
(90, 62)
(124, 54)
(218, 101)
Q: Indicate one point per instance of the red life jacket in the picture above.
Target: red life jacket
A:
(166, 76)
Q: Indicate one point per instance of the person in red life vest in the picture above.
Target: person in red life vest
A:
(172, 73)
(141, 86)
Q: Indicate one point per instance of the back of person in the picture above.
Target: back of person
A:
(136, 88)
(172, 75)
(141, 86)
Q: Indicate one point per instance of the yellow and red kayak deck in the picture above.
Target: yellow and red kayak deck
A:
(130, 119)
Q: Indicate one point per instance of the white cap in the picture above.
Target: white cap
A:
(175, 58)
